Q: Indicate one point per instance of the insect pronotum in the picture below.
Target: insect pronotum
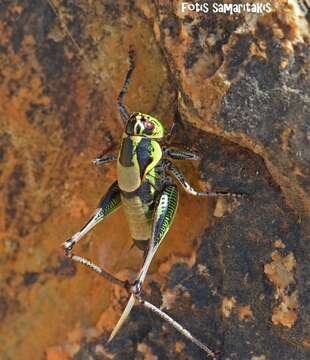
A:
(146, 189)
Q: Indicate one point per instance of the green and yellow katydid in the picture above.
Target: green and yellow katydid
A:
(146, 189)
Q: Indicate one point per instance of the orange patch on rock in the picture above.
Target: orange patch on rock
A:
(281, 273)
(179, 346)
(224, 206)
(306, 342)
(57, 353)
(286, 135)
(279, 244)
(280, 270)
(147, 352)
(108, 319)
(245, 313)
(227, 306)
(283, 316)
(261, 357)
(169, 299)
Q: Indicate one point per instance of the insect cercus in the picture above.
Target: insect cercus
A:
(146, 189)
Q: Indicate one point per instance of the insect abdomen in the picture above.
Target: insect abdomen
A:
(139, 217)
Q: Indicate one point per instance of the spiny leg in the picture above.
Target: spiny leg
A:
(177, 154)
(80, 51)
(173, 170)
(163, 217)
(105, 159)
(122, 108)
(100, 271)
(64, 27)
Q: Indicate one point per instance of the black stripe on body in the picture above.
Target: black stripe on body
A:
(146, 194)
(144, 150)
(126, 152)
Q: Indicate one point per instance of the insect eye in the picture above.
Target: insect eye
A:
(148, 125)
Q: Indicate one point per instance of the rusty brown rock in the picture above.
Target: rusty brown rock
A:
(246, 78)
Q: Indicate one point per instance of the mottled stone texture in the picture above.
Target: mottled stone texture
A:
(235, 273)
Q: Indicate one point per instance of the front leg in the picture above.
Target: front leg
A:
(105, 159)
(173, 170)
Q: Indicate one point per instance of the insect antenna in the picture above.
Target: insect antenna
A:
(80, 51)
(176, 125)
(170, 133)
(122, 109)
(65, 28)
(131, 55)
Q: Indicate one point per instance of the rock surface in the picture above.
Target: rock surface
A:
(238, 87)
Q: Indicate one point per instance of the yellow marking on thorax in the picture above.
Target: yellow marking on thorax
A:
(157, 155)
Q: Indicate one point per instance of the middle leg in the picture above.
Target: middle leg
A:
(173, 170)
(104, 159)
(177, 154)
